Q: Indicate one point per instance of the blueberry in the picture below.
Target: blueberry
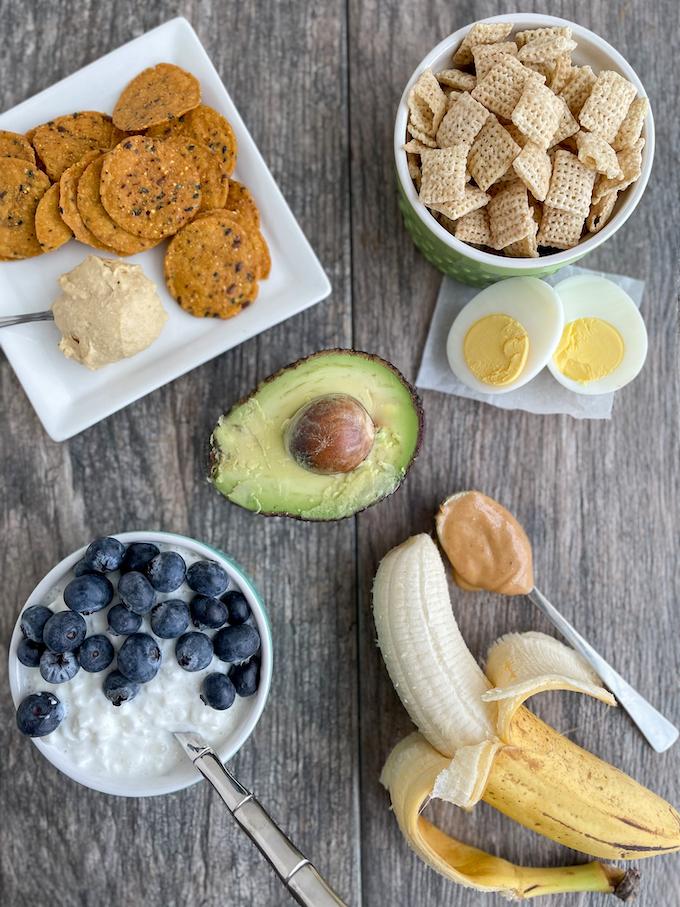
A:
(96, 653)
(29, 652)
(119, 689)
(105, 554)
(137, 557)
(139, 658)
(236, 644)
(166, 571)
(136, 592)
(207, 578)
(64, 631)
(245, 677)
(84, 566)
(218, 691)
(39, 714)
(238, 607)
(58, 667)
(208, 612)
(194, 651)
(169, 619)
(33, 622)
(88, 593)
(123, 621)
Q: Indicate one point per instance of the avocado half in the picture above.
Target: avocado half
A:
(251, 462)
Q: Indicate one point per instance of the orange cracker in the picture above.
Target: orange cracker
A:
(209, 269)
(462, 122)
(68, 203)
(480, 33)
(13, 144)
(474, 228)
(501, 88)
(510, 217)
(533, 166)
(207, 126)
(22, 186)
(50, 228)
(559, 229)
(443, 174)
(156, 95)
(456, 78)
(472, 199)
(66, 140)
(578, 87)
(487, 55)
(607, 104)
(150, 187)
(492, 152)
(537, 113)
(597, 154)
(630, 129)
(241, 202)
(571, 185)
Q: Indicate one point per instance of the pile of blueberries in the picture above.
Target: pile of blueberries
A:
(58, 644)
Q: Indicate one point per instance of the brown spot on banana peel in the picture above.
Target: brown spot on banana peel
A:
(624, 852)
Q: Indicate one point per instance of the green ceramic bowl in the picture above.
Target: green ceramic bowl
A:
(467, 263)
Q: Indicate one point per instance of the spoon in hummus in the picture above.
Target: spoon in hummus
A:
(7, 321)
(488, 549)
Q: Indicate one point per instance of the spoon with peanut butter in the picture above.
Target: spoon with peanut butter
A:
(488, 549)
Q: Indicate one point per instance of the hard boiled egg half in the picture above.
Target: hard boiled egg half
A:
(505, 335)
(604, 342)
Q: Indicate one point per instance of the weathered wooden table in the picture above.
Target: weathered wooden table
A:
(317, 84)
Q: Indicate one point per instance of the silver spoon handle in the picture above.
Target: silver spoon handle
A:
(302, 880)
(658, 730)
(8, 320)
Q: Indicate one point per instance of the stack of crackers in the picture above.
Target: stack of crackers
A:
(517, 150)
(159, 167)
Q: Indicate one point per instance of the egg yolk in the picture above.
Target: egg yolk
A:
(496, 349)
(590, 348)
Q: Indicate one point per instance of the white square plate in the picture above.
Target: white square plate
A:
(68, 397)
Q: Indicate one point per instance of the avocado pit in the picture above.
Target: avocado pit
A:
(330, 434)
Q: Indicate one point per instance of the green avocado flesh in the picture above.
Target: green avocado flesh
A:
(252, 467)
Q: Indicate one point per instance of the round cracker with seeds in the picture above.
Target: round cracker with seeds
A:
(241, 202)
(22, 186)
(50, 228)
(261, 260)
(13, 144)
(96, 218)
(68, 202)
(157, 95)
(207, 126)
(66, 140)
(150, 187)
(214, 180)
(208, 267)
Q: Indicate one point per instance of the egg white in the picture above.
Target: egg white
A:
(589, 296)
(531, 302)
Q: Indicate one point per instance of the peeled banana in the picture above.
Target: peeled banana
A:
(477, 741)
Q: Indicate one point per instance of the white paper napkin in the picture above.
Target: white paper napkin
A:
(542, 395)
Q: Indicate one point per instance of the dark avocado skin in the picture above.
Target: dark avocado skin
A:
(213, 456)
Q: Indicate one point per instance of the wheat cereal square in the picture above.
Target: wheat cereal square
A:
(559, 229)
(578, 87)
(443, 174)
(630, 129)
(537, 113)
(607, 104)
(533, 166)
(492, 152)
(597, 154)
(462, 122)
(474, 228)
(480, 33)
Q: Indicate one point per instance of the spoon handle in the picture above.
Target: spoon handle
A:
(8, 320)
(659, 731)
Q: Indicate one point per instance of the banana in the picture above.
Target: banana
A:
(485, 745)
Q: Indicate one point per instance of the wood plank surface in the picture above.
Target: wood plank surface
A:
(318, 85)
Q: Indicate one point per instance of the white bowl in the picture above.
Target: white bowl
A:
(184, 774)
(592, 50)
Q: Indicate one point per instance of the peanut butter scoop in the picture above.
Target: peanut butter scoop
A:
(487, 547)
